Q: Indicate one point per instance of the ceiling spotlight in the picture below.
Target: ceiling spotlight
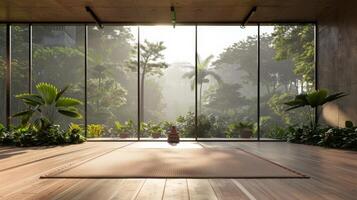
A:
(173, 16)
(95, 17)
(250, 14)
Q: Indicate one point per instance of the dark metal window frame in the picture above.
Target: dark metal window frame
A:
(258, 24)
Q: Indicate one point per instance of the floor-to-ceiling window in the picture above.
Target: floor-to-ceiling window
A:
(19, 67)
(287, 69)
(163, 90)
(227, 81)
(167, 80)
(2, 73)
(112, 82)
(58, 59)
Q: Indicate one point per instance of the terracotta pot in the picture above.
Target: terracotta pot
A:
(124, 135)
(246, 133)
(155, 135)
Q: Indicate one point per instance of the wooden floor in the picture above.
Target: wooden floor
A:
(333, 174)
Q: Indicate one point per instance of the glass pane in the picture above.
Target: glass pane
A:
(227, 82)
(19, 67)
(112, 82)
(287, 69)
(167, 60)
(58, 58)
(2, 73)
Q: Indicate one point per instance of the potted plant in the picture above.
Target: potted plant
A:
(95, 130)
(233, 130)
(125, 129)
(245, 129)
(155, 130)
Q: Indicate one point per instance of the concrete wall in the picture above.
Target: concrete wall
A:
(337, 60)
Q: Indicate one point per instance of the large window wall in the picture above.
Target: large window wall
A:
(227, 81)
(167, 77)
(287, 69)
(211, 82)
(58, 58)
(19, 66)
(112, 81)
(2, 73)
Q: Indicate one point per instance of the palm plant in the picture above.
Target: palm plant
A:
(313, 99)
(45, 104)
(203, 73)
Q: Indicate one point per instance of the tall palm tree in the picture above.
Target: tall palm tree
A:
(204, 71)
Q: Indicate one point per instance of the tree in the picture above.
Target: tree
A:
(297, 43)
(110, 90)
(46, 104)
(151, 64)
(287, 65)
(204, 71)
(275, 75)
(225, 98)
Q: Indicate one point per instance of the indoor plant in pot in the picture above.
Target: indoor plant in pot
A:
(246, 129)
(125, 129)
(155, 130)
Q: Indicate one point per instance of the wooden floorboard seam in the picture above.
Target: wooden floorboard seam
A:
(135, 196)
(163, 192)
(243, 189)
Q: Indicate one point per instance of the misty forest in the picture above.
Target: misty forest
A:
(226, 86)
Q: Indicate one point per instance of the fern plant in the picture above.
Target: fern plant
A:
(45, 104)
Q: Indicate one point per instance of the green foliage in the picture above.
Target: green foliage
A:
(234, 129)
(186, 125)
(2, 128)
(224, 98)
(95, 130)
(305, 134)
(348, 124)
(107, 95)
(277, 132)
(288, 59)
(166, 125)
(313, 99)
(51, 135)
(43, 106)
(345, 138)
(125, 128)
(296, 43)
(154, 129)
(204, 71)
(75, 134)
(208, 126)
(151, 129)
(276, 104)
(249, 125)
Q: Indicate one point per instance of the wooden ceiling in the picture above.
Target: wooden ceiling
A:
(158, 11)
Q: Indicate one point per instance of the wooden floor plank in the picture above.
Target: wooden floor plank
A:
(225, 189)
(128, 189)
(201, 189)
(176, 189)
(152, 189)
(24, 176)
(333, 175)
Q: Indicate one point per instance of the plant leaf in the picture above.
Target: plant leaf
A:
(30, 99)
(67, 101)
(48, 92)
(20, 114)
(317, 98)
(61, 92)
(70, 112)
(336, 96)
